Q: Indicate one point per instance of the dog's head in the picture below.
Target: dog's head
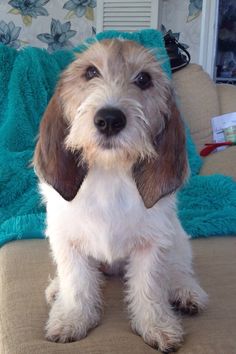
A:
(113, 106)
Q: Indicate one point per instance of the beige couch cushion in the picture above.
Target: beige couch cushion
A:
(223, 162)
(24, 269)
(227, 98)
(199, 102)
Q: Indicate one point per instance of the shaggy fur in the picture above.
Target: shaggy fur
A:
(111, 200)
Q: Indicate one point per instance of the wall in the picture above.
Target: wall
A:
(50, 24)
(55, 24)
(176, 15)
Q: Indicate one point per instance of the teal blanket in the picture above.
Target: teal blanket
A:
(207, 205)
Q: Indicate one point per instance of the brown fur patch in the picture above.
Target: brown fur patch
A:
(53, 162)
(162, 175)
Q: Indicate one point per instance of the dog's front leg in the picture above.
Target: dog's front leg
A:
(147, 298)
(77, 306)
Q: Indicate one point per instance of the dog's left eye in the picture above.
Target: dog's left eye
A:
(91, 73)
(143, 80)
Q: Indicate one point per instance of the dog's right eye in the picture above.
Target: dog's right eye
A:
(143, 80)
(91, 73)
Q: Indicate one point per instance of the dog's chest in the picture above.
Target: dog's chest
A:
(109, 213)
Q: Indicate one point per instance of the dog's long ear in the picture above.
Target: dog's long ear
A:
(162, 175)
(59, 167)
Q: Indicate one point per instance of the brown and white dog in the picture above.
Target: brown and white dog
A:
(110, 156)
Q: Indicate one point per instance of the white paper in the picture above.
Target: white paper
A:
(218, 124)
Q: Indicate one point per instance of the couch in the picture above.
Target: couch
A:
(26, 265)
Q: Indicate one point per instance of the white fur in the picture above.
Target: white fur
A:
(107, 222)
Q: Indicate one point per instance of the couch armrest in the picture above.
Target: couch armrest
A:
(223, 162)
(227, 98)
(198, 101)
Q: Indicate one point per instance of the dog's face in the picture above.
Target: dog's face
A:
(114, 96)
(114, 107)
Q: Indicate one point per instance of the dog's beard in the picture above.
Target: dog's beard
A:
(119, 151)
(123, 149)
(110, 152)
(108, 143)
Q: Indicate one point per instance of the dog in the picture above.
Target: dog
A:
(110, 157)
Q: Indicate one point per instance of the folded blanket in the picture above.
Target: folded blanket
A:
(207, 206)
(27, 80)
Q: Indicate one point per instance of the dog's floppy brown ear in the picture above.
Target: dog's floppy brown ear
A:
(163, 174)
(59, 167)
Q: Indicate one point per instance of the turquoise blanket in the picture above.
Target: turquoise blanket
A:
(207, 205)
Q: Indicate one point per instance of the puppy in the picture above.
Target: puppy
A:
(110, 156)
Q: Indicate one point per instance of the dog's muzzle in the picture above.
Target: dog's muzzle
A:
(109, 121)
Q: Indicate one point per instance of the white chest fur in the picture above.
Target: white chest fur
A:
(105, 219)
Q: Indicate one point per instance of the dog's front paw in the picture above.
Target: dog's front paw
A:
(69, 326)
(167, 340)
(63, 331)
(52, 291)
(167, 337)
(189, 301)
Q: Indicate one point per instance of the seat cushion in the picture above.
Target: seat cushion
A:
(24, 270)
(223, 162)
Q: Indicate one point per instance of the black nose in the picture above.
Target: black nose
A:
(109, 121)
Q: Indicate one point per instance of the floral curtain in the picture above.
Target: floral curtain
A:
(50, 24)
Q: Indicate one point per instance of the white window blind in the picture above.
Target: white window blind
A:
(127, 15)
